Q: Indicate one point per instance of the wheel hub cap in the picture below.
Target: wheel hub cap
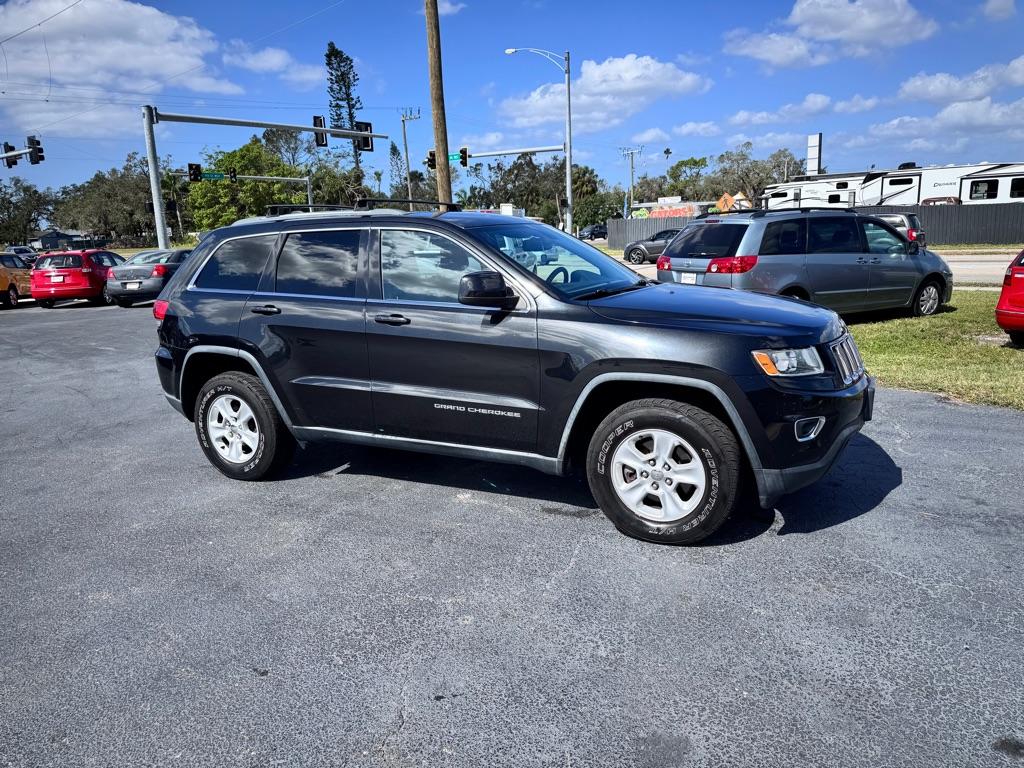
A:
(233, 429)
(658, 476)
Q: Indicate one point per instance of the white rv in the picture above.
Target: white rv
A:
(978, 184)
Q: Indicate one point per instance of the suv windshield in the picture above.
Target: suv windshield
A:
(572, 268)
(62, 261)
(709, 241)
(151, 257)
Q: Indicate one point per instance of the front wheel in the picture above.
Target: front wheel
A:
(927, 299)
(10, 297)
(239, 429)
(664, 471)
(636, 256)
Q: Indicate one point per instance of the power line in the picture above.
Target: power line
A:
(40, 23)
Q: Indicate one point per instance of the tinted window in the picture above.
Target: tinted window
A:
(237, 264)
(780, 194)
(842, 185)
(984, 190)
(783, 237)
(10, 261)
(1017, 187)
(833, 235)
(900, 182)
(320, 263)
(180, 256)
(667, 234)
(915, 222)
(60, 261)
(103, 259)
(710, 240)
(882, 240)
(421, 266)
(834, 198)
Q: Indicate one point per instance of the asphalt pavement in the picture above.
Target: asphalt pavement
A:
(378, 608)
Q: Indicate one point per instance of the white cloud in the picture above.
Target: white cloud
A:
(484, 141)
(998, 10)
(956, 125)
(770, 140)
(932, 145)
(273, 61)
(98, 46)
(819, 31)
(651, 134)
(813, 104)
(448, 8)
(697, 129)
(944, 88)
(605, 94)
(857, 103)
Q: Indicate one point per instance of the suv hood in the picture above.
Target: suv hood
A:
(780, 321)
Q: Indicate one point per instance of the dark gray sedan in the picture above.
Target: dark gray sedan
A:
(644, 251)
(143, 276)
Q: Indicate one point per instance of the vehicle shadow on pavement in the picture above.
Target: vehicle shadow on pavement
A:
(884, 315)
(859, 482)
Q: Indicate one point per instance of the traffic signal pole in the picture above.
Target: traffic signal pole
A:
(153, 162)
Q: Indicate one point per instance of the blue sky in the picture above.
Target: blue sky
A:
(935, 81)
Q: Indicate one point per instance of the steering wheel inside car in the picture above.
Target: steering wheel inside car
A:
(565, 274)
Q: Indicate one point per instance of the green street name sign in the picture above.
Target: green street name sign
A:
(213, 176)
(454, 157)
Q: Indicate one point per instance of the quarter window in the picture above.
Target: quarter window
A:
(984, 190)
(783, 237)
(237, 264)
(826, 235)
(1017, 187)
(320, 264)
(423, 266)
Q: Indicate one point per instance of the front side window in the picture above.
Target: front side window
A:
(320, 264)
(827, 235)
(10, 262)
(882, 240)
(985, 190)
(423, 266)
(783, 237)
(237, 264)
(707, 241)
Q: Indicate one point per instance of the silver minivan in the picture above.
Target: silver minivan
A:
(839, 259)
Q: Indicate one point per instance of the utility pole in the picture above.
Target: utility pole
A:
(568, 146)
(408, 115)
(631, 153)
(444, 178)
(154, 178)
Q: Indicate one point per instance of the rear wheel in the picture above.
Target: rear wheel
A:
(796, 293)
(927, 299)
(636, 256)
(10, 298)
(664, 471)
(239, 429)
(1017, 337)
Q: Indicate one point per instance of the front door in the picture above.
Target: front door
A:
(443, 371)
(837, 267)
(894, 272)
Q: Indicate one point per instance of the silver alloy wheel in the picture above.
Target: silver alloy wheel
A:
(929, 300)
(636, 256)
(658, 475)
(233, 429)
(12, 297)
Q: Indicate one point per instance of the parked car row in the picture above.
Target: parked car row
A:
(100, 276)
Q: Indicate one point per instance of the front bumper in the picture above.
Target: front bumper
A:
(147, 289)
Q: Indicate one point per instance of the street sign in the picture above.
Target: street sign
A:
(212, 176)
(453, 157)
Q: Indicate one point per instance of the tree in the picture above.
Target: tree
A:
(112, 203)
(599, 207)
(648, 189)
(685, 178)
(737, 171)
(342, 80)
(396, 172)
(22, 207)
(290, 146)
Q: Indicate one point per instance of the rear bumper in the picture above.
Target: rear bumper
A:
(1010, 319)
(66, 292)
(148, 289)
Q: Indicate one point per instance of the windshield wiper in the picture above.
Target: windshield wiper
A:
(601, 293)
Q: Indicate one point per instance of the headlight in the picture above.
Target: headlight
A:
(789, 362)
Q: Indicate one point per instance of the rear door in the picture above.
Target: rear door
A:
(60, 272)
(838, 272)
(693, 249)
(894, 272)
(307, 328)
(20, 274)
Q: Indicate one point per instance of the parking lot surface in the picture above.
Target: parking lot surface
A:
(386, 608)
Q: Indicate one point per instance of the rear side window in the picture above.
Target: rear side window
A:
(985, 190)
(783, 237)
(237, 264)
(1017, 187)
(61, 261)
(827, 235)
(320, 264)
(712, 240)
(11, 261)
(915, 223)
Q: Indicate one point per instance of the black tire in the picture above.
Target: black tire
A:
(636, 256)
(796, 293)
(46, 303)
(123, 303)
(921, 308)
(1016, 338)
(714, 446)
(10, 297)
(275, 444)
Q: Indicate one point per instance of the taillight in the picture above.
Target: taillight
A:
(160, 309)
(732, 265)
(664, 262)
(1008, 277)
(911, 234)
(159, 270)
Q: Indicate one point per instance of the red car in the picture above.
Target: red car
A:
(72, 275)
(1010, 309)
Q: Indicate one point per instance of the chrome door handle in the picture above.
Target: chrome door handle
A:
(392, 319)
(862, 261)
(266, 309)
(876, 261)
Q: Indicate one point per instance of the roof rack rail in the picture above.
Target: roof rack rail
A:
(366, 203)
(809, 208)
(755, 213)
(279, 209)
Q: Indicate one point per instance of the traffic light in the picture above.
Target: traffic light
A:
(431, 160)
(364, 143)
(195, 172)
(464, 157)
(149, 207)
(319, 138)
(35, 147)
(171, 207)
(10, 162)
(233, 173)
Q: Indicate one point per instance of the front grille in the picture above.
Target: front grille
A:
(847, 359)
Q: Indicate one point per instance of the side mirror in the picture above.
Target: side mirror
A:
(486, 289)
(913, 247)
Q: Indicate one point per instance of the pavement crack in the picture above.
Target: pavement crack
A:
(559, 572)
(388, 746)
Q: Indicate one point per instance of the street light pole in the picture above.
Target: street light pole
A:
(563, 63)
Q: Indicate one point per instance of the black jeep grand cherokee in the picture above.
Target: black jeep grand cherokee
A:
(488, 337)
